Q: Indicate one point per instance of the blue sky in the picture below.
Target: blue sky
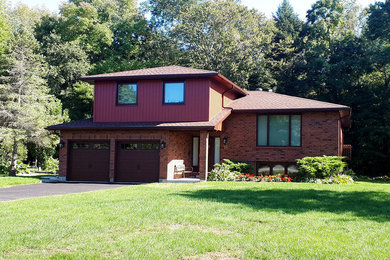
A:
(268, 7)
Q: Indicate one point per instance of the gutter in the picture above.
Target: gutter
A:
(223, 95)
(284, 110)
(92, 78)
(189, 128)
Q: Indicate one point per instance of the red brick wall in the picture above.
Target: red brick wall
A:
(319, 137)
(178, 145)
(113, 136)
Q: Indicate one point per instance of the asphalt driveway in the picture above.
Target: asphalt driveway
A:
(49, 189)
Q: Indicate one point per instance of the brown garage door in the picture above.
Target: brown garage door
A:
(137, 161)
(89, 161)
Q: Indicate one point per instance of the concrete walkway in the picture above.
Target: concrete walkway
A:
(50, 189)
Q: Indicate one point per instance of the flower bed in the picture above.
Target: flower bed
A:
(321, 170)
(263, 178)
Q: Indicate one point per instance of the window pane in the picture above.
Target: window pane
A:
(296, 130)
(80, 146)
(217, 147)
(174, 92)
(153, 146)
(264, 170)
(278, 169)
(127, 94)
(195, 151)
(101, 146)
(262, 131)
(292, 169)
(278, 130)
(129, 146)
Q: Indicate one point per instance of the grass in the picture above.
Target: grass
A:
(20, 180)
(204, 220)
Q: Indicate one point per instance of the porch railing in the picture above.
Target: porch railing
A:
(347, 152)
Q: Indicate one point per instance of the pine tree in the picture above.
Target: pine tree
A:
(4, 27)
(287, 51)
(26, 106)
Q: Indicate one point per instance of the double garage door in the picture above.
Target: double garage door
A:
(135, 161)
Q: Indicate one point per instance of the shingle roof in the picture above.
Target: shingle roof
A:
(154, 72)
(270, 101)
(89, 124)
(167, 72)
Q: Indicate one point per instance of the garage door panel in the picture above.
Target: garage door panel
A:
(89, 161)
(137, 161)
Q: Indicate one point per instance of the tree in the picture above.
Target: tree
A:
(67, 63)
(371, 100)
(26, 106)
(163, 13)
(287, 22)
(79, 101)
(329, 23)
(5, 31)
(81, 23)
(378, 23)
(110, 32)
(287, 50)
(343, 66)
(226, 37)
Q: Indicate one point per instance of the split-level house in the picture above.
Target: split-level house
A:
(149, 124)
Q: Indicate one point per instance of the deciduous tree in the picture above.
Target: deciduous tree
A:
(225, 36)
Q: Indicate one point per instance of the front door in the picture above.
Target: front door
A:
(195, 154)
(214, 151)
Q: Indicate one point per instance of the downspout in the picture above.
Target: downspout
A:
(223, 94)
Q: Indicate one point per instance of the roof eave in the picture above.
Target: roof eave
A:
(345, 118)
(291, 110)
(92, 78)
(230, 84)
(183, 128)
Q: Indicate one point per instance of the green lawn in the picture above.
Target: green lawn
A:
(205, 220)
(10, 181)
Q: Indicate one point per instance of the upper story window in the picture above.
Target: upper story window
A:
(279, 130)
(174, 92)
(127, 94)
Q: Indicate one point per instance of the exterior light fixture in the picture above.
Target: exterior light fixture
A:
(163, 145)
(62, 144)
(225, 140)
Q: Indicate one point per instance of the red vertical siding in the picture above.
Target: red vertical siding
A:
(150, 107)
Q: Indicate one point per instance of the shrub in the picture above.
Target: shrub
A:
(351, 173)
(22, 167)
(384, 178)
(50, 165)
(320, 167)
(4, 167)
(221, 172)
(236, 166)
(338, 179)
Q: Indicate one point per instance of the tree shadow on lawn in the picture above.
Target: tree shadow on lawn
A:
(370, 205)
